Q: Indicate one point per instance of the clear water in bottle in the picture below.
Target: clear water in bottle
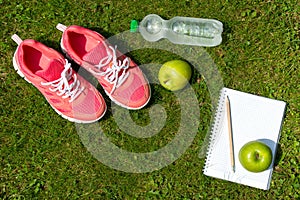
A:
(206, 30)
(181, 30)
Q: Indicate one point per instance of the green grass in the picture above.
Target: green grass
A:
(42, 156)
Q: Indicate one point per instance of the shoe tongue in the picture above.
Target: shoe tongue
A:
(96, 54)
(52, 72)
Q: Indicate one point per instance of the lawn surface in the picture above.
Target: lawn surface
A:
(42, 155)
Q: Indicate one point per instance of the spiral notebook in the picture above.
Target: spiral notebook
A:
(252, 118)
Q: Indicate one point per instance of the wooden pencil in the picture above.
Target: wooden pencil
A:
(228, 110)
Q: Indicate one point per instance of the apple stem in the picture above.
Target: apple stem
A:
(166, 81)
(257, 155)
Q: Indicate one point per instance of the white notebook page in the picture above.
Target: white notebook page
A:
(253, 118)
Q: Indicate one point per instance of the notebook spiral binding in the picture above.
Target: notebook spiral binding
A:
(216, 126)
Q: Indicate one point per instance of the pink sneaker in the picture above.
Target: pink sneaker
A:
(121, 78)
(67, 92)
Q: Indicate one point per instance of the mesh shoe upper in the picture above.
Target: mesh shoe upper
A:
(66, 91)
(121, 78)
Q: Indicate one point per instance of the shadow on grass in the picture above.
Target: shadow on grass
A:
(278, 155)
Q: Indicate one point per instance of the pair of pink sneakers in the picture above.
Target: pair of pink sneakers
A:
(69, 94)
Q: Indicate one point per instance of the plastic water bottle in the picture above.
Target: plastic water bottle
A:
(180, 30)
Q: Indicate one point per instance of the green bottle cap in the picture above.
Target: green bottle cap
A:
(134, 25)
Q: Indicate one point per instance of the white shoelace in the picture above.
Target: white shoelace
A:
(111, 74)
(62, 86)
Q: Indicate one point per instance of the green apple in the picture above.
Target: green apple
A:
(255, 156)
(174, 75)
